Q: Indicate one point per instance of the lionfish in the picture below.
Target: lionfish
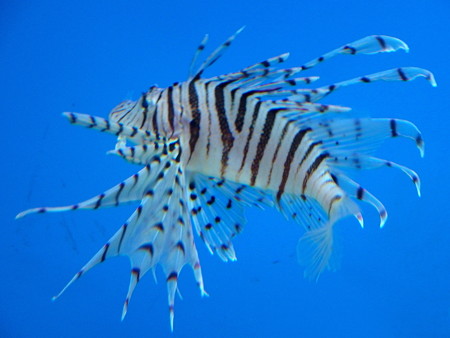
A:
(255, 137)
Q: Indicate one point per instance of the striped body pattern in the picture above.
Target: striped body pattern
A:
(209, 147)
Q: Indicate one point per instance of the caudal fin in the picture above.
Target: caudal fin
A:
(316, 249)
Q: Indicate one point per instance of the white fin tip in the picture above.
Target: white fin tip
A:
(360, 219)
(383, 218)
(125, 309)
(171, 317)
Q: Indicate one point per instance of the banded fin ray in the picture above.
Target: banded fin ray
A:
(197, 53)
(158, 232)
(214, 56)
(129, 190)
(217, 211)
(397, 74)
(363, 135)
(255, 77)
(369, 45)
(98, 123)
(403, 74)
(142, 154)
(357, 191)
(305, 211)
(254, 137)
(362, 161)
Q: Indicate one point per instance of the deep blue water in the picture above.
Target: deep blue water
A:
(87, 56)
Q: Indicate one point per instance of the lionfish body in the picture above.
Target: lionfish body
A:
(210, 147)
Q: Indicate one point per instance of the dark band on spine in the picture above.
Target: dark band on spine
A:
(402, 74)
(393, 125)
(381, 42)
(147, 247)
(124, 230)
(159, 226)
(173, 276)
(360, 193)
(351, 49)
(105, 250)
(180, 246)
(136, 272)
(99, 201)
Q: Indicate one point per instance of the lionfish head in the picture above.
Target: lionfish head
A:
(127, 111)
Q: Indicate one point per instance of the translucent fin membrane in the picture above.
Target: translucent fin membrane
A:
(217, 211)
(316, 249)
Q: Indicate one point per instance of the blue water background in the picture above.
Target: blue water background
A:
(87, 56)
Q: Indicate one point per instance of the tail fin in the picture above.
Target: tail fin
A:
(316, 249)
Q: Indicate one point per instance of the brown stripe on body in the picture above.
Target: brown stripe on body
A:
(263, 140)
(170, 107)
(308, 151)
(226, 134)
(335, 199)
(194, 125)
(250, 133)
(242, 108)
(275, 154)
(319, 159)
(290, 157)
(208, 141)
